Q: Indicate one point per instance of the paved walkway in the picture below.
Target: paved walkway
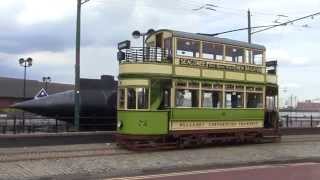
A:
(157, 162)
(300, 171)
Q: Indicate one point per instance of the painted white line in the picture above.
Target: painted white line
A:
(211, 171)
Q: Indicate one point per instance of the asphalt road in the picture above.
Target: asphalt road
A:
(300, 171)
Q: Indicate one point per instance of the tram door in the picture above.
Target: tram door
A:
(160, 96)
(271, 118)
(165, 90)
(159, 40)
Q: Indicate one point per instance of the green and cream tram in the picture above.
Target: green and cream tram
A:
(186, 89)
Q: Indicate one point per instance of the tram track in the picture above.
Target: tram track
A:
(300, 138)
(58, 154)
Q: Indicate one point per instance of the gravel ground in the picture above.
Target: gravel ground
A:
(153, 162)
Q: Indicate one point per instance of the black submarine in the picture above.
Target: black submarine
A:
(98, 98)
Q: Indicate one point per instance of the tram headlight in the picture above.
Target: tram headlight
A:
(119, 124)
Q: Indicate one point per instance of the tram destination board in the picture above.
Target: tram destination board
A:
(211, 65)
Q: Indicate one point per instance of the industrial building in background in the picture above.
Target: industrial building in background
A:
(11, 90)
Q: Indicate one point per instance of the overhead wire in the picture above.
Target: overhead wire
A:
(288, 22)
(260, 12)
(192, 4)
(210, 6)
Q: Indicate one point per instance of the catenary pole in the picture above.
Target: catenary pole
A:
(77, 70)
(249, 27)
(77, 67)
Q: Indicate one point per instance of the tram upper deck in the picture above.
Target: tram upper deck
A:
(177, 54)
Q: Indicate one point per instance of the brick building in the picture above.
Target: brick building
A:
(11, 90)
(308, 105)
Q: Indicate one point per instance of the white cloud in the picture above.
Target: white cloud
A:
(40, 58)
(285, 58)
(96, 61)
(39, 11)
(285, 86)
(106, 22)
(47, 58)
(289, 7)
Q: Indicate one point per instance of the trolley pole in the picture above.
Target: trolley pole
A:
(249, 27)
(77, 70)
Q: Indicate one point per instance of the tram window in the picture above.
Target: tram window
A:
(249, 88)
(193, 85)
(234, 100)
(257, 57)
(181, 84)
(143, 98)
(234, 54)
(186, 98)
(212, 51)
(254, 100)
(239, 88)
(259, 89)
(121, 98)
(212, 99)
(217, 86)
(248, 56)
(229, 87)
(206, 85)
(188, 48)
(131, 98)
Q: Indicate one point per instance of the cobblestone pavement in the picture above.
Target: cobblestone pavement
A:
(153, 162)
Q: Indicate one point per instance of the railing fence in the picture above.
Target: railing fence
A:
(14, 124)
(147, 54)
(303, 121)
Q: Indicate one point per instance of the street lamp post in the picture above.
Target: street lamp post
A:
(46, 81)
(137, 34)
(24, 63)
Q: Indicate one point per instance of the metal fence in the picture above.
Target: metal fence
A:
(16, 123)
(31, 124)
(304, 121)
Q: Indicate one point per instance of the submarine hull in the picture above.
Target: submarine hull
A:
(97, 105)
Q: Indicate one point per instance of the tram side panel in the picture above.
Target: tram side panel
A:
(145, 122)
(215, 119)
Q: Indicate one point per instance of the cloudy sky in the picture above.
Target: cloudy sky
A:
(45, 31)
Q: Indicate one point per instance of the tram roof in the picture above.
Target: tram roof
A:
(213, 39)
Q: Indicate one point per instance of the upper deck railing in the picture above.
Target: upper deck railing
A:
(164, 56)
(147, 54)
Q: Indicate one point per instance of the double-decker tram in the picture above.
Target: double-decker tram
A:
(185, 89)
